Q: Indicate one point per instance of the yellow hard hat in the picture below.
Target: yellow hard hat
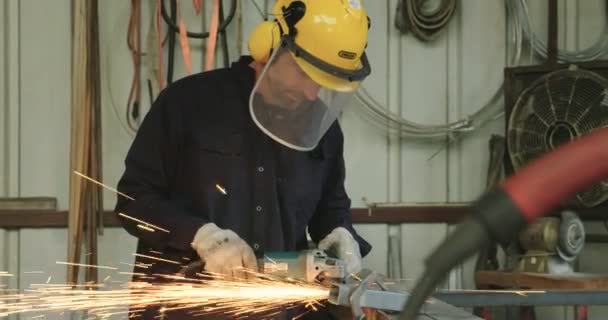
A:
(326, 37)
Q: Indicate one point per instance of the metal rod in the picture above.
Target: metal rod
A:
(552, 35)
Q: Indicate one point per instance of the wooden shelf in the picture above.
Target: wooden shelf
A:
(10, 219)
(493, 279)
(13, 219)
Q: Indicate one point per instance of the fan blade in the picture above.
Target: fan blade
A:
(561, 89)
(587, 93)
(542, 104)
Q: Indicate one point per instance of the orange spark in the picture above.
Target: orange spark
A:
(86, 265)
(155, 258)
(133, 273)
(261, 296)
(221, 189)
(141, 226)
(103, 185)
(143, 222)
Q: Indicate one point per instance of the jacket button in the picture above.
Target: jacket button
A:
(256, 246)
(260, 169)
(258, 208)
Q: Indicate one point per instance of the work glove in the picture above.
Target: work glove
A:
(342, 245)
(223, 252)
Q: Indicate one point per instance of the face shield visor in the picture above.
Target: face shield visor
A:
(297, 97)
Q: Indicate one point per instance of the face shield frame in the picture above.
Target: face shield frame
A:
(301, 131)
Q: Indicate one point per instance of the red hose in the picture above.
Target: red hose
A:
(545, 182)
(533, 191)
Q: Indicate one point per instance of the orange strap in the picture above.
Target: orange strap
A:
(198, 6)
(183, 41)
(211, 42)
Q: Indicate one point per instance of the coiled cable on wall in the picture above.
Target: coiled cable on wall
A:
(425, 19)
(595, 51)
(518, 20)
(395, 124)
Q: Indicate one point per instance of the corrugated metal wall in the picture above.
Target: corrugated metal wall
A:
(445, 80)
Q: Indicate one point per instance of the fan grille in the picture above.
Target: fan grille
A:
(555, 109)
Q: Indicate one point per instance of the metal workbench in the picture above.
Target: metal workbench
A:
(483, 298)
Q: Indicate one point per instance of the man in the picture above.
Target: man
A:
(235, 162)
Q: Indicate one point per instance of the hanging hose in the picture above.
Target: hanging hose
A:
(518, 27)
(171, 48)
(134, 44)
(171, 22)
(159, 43)
(197, 35)
(224, 37)
(501, 214)
(425, 23)
(595, 51)
(380, 116)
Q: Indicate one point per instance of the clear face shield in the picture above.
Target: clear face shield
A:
(295, 101)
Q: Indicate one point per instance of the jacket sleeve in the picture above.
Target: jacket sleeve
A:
(150, 166)
(334, 208)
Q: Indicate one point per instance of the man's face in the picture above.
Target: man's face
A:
(290, 85)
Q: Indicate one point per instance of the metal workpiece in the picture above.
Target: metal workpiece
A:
(368, 291)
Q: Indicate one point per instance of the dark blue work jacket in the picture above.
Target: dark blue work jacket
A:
(199, 139)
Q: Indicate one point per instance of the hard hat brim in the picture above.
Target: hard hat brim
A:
(325, 79)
